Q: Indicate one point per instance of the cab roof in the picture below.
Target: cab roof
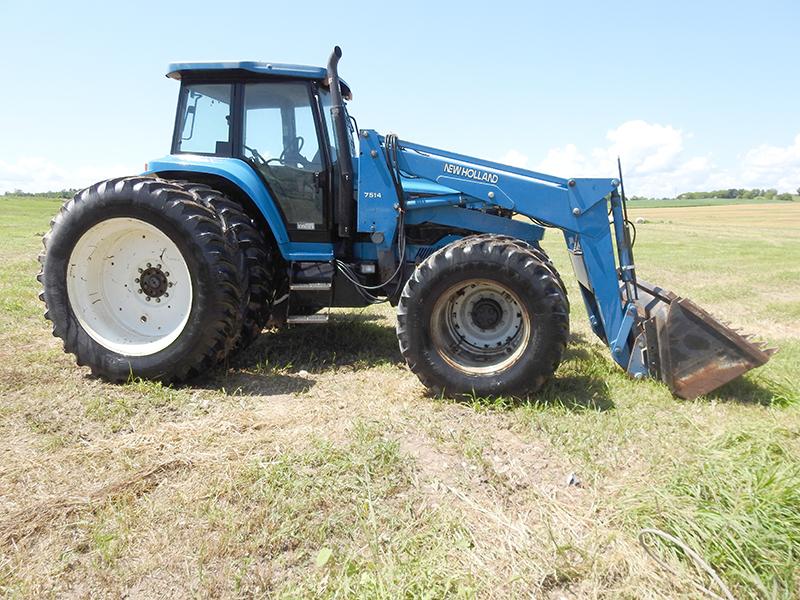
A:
(179, 69)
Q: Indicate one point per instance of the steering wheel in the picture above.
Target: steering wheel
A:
(291, 154)
(259, 160)
(295, 147)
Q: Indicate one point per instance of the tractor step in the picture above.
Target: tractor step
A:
(323, 286)
(310, 290)
(306, 319)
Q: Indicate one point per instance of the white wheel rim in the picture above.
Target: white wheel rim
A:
(119, 309)
(480, 327)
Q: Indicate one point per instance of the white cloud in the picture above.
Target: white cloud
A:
(35, 174)
(565, 160)
(655, 163)
(779, 166)
(647, 148)
(514, 158)
(652, 160)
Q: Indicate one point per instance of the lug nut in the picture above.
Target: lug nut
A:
(136, 280)
(140, 291)
(149, 265)
(158, 266)
(166, 294)
(147, 298)
(158, 300)
(166, 274)
(140, 270)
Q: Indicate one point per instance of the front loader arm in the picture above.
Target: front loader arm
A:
(578, 207)
(649, 331)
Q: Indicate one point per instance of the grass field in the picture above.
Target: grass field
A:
(316, 466)
(686, 203)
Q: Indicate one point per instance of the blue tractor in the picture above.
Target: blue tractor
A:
(273, 206)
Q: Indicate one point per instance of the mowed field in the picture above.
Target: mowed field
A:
(316, 466)
(691, 202)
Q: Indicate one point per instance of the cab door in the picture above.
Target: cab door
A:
(282, 140)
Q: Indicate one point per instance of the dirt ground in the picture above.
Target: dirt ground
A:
(316, 465)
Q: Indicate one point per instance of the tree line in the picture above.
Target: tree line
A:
(769, 194)
(731, 193)
(67, 193)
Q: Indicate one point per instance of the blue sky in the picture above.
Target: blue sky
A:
(692, 95)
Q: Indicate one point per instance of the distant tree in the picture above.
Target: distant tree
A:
(65, 193)
(798, 191)
(784, 197)
(731, 193)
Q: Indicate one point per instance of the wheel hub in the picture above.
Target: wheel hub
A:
(480, 326)
(126, 304)
(486, 313)
(153, 281)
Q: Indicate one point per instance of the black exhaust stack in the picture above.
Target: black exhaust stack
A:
(344, 199)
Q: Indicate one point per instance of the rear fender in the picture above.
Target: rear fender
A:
(241, 175)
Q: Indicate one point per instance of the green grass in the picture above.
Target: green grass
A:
(316, 466)
(24, 222)
(737, 505)
(397, 553)
(720, 473)
(686, 202)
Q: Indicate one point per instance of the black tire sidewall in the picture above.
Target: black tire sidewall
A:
(91, 208)
(256, 255)
(537, 361)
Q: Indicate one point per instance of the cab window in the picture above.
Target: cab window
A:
(281, 142)
(204, 124)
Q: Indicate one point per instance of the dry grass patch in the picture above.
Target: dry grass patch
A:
(316, 466)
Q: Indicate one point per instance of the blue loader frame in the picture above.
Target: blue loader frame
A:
(579, 207)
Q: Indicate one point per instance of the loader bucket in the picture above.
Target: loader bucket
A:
(690, 350)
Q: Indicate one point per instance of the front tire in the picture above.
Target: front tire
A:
(484, 315)
(139, 280)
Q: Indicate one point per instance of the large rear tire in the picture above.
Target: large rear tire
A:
(258, 259)
(484, 315)
(139, 280)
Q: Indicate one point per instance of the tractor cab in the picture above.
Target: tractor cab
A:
(277, 119)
